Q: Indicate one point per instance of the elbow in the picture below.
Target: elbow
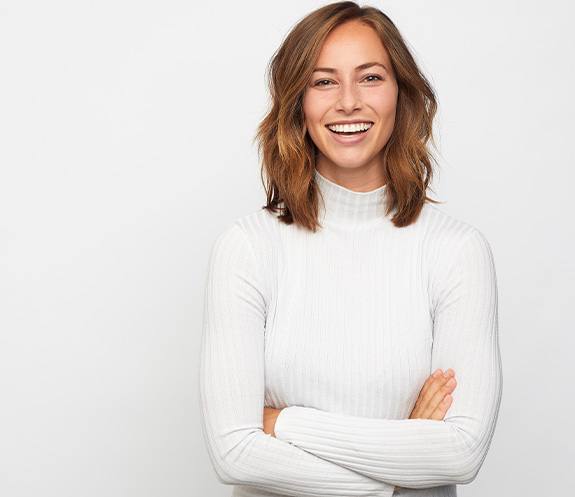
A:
(457, 462)
(224, 464)
(222, 467)
(226, 454)
(467, 461)
(226, 476)
(465, 472)
(474, 442)
(222, 447)
(227, 471)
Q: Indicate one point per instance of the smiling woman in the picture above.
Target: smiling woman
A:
(340, 318)
(345, 64)
(355, 104)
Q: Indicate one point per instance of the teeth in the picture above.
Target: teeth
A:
(349, 128)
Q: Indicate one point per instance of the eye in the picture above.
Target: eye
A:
(374, 76)
(327, 81)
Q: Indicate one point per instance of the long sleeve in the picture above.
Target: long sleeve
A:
(420, 453)
(232, 388)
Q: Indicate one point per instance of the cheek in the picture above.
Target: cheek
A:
(385, 105)
(308, 106)
(315, 107)
(384, 102)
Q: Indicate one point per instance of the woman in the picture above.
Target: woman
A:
(339, 319)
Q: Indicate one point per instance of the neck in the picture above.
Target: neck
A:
(343, 207)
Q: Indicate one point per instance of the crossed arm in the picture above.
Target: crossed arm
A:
(420, 453)
(232, 390)
(319, 453)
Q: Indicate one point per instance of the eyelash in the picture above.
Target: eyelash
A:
(369, 76)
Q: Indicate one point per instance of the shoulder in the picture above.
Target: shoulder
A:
(250, 240)
(257, 228)
(234, 269)
(451, 242)
(258, 223)
(233, 250)
(460, 260)
(447, 232)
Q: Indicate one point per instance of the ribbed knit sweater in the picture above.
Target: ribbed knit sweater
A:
(341, 328)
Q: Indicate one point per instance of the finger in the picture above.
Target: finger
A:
(436, 384)
(446, 389)
(438, 373)
(442, 408)
(433, 382)
(439, 395)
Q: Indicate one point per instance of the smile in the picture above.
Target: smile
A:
(349, 129)
(349, 134)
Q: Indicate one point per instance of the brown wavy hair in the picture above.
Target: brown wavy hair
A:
(285, 149)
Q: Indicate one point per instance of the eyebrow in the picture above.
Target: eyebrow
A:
(358, 68)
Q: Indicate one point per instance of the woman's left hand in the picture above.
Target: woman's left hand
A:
(270, 416)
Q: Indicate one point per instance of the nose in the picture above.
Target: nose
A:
(349, 98)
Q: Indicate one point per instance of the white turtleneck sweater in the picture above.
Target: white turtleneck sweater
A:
(341, 328)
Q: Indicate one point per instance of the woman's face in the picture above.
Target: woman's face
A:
(343, 89)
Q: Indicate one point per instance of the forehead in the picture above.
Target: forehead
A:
(351, 44)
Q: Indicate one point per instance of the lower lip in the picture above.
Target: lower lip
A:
(349, 139)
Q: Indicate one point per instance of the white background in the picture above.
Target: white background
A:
(126, 146)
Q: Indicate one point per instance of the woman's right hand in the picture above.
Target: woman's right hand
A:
(435, 396)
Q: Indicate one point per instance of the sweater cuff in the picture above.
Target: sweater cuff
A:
(282, 424)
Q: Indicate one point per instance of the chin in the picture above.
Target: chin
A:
(347, 162)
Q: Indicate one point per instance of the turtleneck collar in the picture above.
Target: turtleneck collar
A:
(348, 208)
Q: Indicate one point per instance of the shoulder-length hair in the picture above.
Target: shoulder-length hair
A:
(288, 154)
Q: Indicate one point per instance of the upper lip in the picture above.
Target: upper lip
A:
(350, 121)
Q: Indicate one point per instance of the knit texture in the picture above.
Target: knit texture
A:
(340, 329)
